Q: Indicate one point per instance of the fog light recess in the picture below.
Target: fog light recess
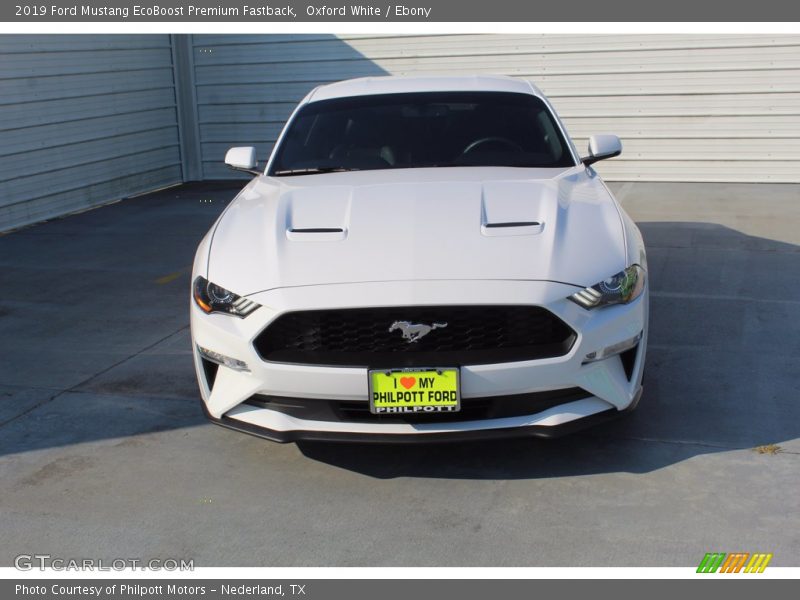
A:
(613, 349)
(221, 359)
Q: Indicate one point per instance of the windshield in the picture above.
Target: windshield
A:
(430, 129)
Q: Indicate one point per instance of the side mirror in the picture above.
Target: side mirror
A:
(242, 158)
(602, 146)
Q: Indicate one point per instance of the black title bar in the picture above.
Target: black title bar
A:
(436, 11)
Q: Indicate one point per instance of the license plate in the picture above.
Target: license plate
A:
(393, 391)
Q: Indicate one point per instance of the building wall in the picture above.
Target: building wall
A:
(89, 119)
(687, 107)
(84, 120)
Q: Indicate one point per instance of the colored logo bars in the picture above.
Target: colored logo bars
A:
(734, 563)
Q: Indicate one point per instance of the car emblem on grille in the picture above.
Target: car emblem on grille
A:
(414, 332)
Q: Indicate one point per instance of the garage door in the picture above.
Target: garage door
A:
(84, 120)
(688, 107)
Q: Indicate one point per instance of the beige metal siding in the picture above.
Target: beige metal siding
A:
(84, 120)
(687, 107)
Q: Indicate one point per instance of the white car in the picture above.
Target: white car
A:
(421, 259)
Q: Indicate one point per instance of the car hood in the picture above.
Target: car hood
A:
(418, 224)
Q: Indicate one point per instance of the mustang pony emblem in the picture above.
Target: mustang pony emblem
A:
(415, 331)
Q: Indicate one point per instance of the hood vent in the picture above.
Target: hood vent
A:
(510, 208)
(514, 224)
(312, 216)
(512, 228)
(316, 234)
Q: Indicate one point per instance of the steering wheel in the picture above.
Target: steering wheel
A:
(511, 144)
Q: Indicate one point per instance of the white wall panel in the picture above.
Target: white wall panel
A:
(84, 120)
(688, 107)
(88, 119)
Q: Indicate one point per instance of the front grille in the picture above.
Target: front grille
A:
(361, 337)
(472, 409)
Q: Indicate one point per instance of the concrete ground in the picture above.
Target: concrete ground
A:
(104, 451)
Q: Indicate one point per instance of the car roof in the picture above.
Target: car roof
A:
(365, 86)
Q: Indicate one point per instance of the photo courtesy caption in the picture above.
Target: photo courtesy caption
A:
(61, 589)
(58, 589)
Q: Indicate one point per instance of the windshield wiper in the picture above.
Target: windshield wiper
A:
(312, 171)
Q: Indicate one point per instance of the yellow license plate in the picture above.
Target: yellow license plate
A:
(393, 391)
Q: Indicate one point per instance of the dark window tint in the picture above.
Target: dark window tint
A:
(431, 129)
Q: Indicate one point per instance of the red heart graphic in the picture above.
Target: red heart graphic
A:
(408, 382)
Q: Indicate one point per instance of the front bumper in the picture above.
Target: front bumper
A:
(423, 436)
(610, 388)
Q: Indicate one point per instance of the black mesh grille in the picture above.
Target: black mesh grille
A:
(361, 337)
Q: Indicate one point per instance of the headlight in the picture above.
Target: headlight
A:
(621, 288)
(212, 298)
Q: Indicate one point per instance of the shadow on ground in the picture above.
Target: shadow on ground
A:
(96, 346)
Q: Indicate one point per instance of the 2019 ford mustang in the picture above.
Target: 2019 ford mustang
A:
(424, 258)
